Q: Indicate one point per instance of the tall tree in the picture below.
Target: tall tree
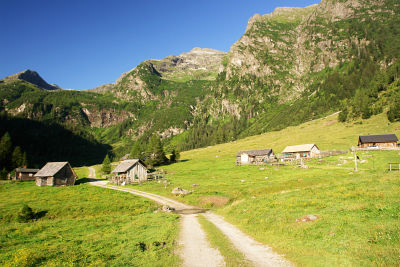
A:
(155, 154)
(17, 157)
(5, 152)
(106, 168)
(136, 152)
(175, 155)
(24, 160)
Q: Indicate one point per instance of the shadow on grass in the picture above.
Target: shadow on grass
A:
(87, 180)
(40, 214)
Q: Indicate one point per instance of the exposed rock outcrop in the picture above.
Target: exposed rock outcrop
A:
(105, 118)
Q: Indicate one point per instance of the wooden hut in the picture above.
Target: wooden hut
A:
(255, 156)
(301, 151)
(378, 141)
(56, 174)
(25, 174)
(129, 171)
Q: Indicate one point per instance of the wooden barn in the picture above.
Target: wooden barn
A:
(301, 151)
(255, 156)
(378, 141)
(25, 174)
(55, 174)
(129, 171)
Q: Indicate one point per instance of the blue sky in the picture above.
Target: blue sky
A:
(81, 44)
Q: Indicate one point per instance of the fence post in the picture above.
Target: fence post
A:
(390, 166)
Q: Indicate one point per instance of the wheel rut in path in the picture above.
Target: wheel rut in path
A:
(196, 250)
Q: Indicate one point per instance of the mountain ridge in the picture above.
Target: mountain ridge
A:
(32, 77)
(290, 66)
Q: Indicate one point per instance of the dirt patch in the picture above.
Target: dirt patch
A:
(214, 201)
(308, 218)
(327, 123)
(190, 211)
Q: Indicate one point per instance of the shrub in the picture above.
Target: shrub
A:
(26, 214)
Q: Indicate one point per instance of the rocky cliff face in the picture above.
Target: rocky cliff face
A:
(32, 77)
(199, 63)
(105, 118)
(283, 48)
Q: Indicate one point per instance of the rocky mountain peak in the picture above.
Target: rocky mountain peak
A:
(32, 77)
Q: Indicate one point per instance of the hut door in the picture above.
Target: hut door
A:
(244, 158)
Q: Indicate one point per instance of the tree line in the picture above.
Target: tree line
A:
(11, 156)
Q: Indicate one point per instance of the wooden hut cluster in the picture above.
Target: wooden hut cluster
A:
(263, 156)
(306, 151)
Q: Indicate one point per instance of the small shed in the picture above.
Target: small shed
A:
(379, 140)
(56, 174)
(25, 174)
(129, 171)
(255, 156)
(301, 151)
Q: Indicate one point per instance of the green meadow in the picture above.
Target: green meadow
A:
(358, 212)
(83, 225)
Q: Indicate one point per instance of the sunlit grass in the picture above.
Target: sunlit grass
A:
(84, 225)
(358, 211)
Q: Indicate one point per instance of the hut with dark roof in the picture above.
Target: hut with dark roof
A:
(129, 171)
(255, 156)
(378, 140)
(56, 174)
(25, 174)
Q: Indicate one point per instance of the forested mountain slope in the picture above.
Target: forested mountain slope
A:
(290, 66)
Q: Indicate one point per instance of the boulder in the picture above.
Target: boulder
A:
(308, 218)
(179, 191)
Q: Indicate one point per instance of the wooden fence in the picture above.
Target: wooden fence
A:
(394, 167)
(155, 175)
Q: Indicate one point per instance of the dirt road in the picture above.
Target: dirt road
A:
(196, 250)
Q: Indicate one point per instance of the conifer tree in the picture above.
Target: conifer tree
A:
(155, 154)
(5, 151)
(24, 160)
(17, 157)
(106, 168)
(136, 152)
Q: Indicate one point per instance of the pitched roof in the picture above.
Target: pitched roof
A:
(50, 169)
(298, 148)
(378, 138)
(259, 152)
(125, 165)
(26, 170)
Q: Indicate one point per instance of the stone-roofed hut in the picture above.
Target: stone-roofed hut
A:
(56, 174)
(301, 151)
(255, 156)
(379, 140)
(25, 174)
(129, 171)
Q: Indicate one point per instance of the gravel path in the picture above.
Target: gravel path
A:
(196, 250)
(255, 252)
(92, 173)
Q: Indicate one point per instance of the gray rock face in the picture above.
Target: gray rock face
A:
(199, 63)
(32, 77)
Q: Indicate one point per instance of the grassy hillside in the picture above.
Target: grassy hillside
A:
(358, 211)
(83, 225)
